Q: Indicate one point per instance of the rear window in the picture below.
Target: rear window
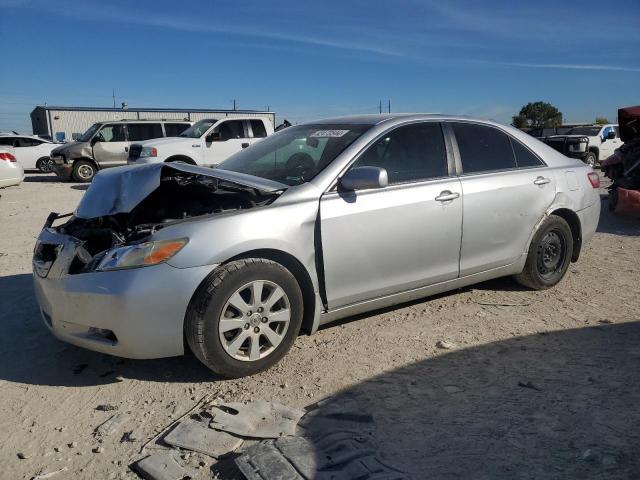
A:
(258, 129)
(524, 156)
(175, 129)
(144, 131)
(483, 148)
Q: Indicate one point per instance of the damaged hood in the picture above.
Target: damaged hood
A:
(121, 189)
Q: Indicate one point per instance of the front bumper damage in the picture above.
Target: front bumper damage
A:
(135, 313)
(139, 311)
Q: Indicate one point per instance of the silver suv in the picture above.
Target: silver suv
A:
(106, 144)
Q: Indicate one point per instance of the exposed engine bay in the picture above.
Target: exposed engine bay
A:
(181, 195)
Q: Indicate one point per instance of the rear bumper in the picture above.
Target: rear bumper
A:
(134, 313)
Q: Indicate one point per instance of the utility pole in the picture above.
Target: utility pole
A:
(380, 107)
(389, 106)
(113, 95)
(234, 104)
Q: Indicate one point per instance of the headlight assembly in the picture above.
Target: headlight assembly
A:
(142, 255)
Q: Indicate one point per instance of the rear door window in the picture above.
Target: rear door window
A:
(258, 129)
(409, 153)
(483, 148)
(175, 129)
(524, 157)
(144, 131)
(231, 129)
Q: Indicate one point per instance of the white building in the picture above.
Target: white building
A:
(68, 123)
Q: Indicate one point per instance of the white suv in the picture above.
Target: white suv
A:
(208, 142)
(603, 140)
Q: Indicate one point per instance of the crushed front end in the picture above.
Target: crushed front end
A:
(102, 280)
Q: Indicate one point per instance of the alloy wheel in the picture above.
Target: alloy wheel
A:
(254, 320)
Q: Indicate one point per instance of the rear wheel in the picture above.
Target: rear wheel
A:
(45, 164)
(83, 171)
(591, 159)
(244, 317)
(549, 255)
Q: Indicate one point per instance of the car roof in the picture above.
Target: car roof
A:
(375, 119)
(146, 120)
(35, 137)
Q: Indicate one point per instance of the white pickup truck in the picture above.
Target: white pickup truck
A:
(603, 140)
(207, 142)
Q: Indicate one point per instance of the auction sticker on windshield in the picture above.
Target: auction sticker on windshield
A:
(329, 133)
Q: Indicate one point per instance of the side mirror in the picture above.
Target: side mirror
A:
(611, 134)
(213, 137)
(95, 140)
(363, 178)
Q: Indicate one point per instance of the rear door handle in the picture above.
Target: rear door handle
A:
(245, 145)
(126, 149)
(542, 181)
(447, 195)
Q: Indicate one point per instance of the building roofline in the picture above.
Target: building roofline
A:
(138, 109)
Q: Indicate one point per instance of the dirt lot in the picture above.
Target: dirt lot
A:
(536, 385)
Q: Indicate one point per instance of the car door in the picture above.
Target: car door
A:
(506, 190)
(407, 235)
(232, 137)
(110, 146)
(608, 145)
(257, 130)
(26, 152)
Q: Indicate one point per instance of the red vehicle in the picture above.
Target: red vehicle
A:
(623, 167)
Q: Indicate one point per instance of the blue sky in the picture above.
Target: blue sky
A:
(315, 59)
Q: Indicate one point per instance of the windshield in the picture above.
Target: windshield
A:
(86, 136)
(589, 131)
(198, 129)
(295, 155)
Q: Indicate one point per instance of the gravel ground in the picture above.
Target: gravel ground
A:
(533, 384)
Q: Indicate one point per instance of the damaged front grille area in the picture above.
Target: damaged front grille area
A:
(180, 196)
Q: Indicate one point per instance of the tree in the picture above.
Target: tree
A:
(536, 115)
(602, 120)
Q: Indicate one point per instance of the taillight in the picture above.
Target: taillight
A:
(594, 178)
(7, 156)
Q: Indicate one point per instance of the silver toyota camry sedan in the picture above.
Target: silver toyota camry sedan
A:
(317, 222)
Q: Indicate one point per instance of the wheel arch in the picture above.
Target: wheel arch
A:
(86, 159)
(595, 150)
(301, 274)
(573, 220)
(180, 158)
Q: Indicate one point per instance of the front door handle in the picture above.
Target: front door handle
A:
(126, 149)
(245, 145)
(447, 195)
(542, 181)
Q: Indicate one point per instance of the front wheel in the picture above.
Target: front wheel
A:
(549, 255)
(83, 171)
(244, 317)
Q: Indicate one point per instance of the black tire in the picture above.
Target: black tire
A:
(84, 171)
(549, 255)
(591, 159)
(45, 164)
(203, 316)
(613, 199)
